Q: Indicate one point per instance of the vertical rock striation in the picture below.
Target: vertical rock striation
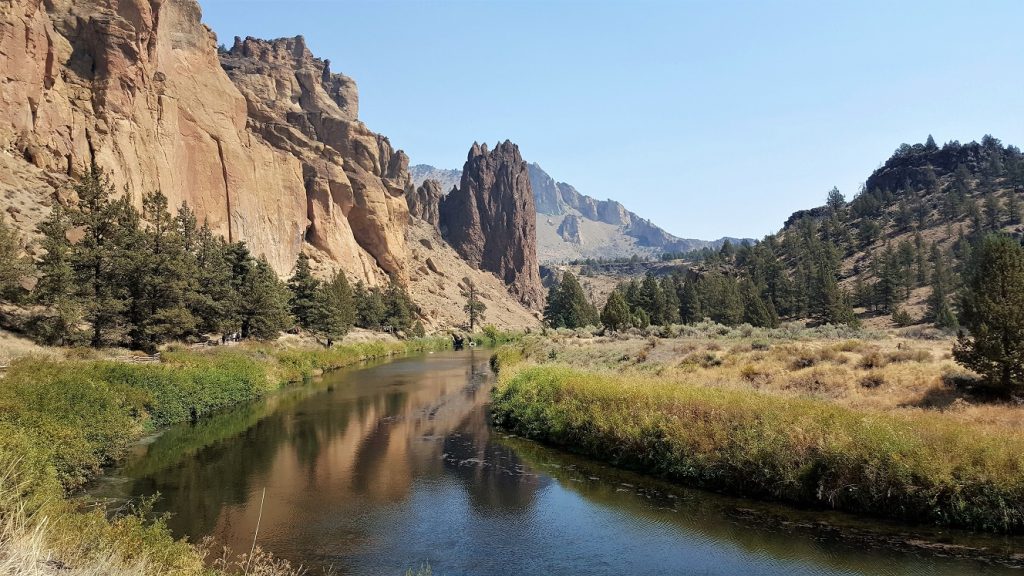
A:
(491, 219)
(425, 202)
(268, 148)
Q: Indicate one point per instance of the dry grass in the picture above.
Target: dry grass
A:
(875, 371)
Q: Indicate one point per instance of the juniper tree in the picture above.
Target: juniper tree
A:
(939, 310)
(303, 287)
(568, 307)
(992, 311)
(615, 315)
(263, 302)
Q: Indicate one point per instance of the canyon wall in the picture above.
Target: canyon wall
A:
(273, 154)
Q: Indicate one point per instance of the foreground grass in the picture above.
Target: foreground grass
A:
(704, 421)
(62, 421)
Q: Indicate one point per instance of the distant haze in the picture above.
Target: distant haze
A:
(709, 118)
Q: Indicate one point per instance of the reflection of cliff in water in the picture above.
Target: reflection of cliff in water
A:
(355, 441)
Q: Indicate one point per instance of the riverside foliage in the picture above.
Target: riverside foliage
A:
(61, 422)
(803, 449)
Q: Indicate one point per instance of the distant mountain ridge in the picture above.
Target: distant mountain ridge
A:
(572, 225)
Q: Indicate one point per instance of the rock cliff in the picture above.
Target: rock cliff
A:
(273, 154)
(490, 219)
(425, 202)
(354, 181)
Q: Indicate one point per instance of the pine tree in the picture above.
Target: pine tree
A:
(1013, 207)
(720, 298)
(14, 266)
(670, 292)
(474, 307)
(335, 308)
(99, 258)
(690, 310)
(264, 302)
(755, 311)
(371, 311)
(303, 287)
(399, 308)
(939, 311)
(160, 285)
(615, 315)
(652, 300)
(568, 307)
(214, 300)
(56, 286)
(992, 311)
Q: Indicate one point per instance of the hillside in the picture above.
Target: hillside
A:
(262, 140)
(574, 226)
(894, 254)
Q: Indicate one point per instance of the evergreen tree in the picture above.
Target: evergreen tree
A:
(264, 302)
(214, 300)
(304, 288)
(568, 307)
(690, 310)
(615, 315)
(992, 310)
(652, 300)
(56, 286)
(160, 284)
(14, 266)
(335, 311)
(755, 311)
(474, 307)
(98, 260)
(399, 308)
(669, 291)
(720, 298)
(1013, 207)
(371, 311)
(939, 311)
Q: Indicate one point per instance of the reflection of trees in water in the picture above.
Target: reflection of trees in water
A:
(197, 487)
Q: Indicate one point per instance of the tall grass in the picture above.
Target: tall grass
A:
(912, 467)
(62, 421)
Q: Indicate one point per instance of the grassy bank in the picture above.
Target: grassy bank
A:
(725, 434)
(62, 421)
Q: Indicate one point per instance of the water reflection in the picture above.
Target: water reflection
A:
(375, 470)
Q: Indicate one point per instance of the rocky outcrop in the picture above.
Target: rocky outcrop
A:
(276, 158)
(136, 87)
(355, 183)
(491, 219)
(447, 179)
(569, 229)
(425, 202)
(546, 192)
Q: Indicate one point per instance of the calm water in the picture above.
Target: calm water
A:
(379, 469)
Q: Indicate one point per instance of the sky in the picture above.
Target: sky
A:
(710, 118)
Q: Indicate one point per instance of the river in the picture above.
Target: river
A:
(386, 467)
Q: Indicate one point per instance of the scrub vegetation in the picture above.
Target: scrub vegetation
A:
(829, 417)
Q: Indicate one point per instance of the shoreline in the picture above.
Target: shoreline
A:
(66, 421)
(915, 468)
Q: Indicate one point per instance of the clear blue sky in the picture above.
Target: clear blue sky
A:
(709, 117)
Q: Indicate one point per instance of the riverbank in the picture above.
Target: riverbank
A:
(62, 421)
(813, 419)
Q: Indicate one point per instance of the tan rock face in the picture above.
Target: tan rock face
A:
(355, 183)
(137, 87)
(491, 219)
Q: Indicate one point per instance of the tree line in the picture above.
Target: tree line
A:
(111, 274)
